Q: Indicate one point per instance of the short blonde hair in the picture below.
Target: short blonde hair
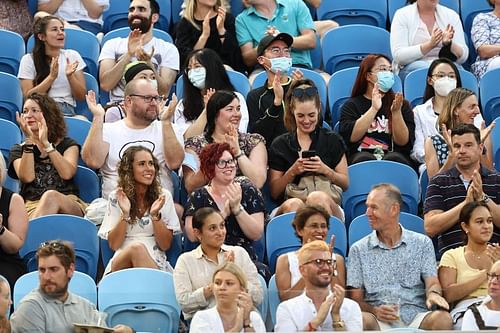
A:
(305, 251)
(235, 270)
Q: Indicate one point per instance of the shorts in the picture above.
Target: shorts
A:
(32, 204)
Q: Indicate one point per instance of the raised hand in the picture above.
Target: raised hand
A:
(43, 131)
(205, 26)
(71, 67)
(448, 34)
(134, 42)
(436, 37)
(157, 205)
(142, 55)
(376, 97)
(323, 310)
(493, 251)
(96, 109)
(297, 74)
(221, 17)
(233, 195)
(229, 256)
(24, 126)
(208, 94)
(277, 88)
(231, 138)
(245, 303)
(123, 201)
(168, 113)
(397, 103)
(339, 293)
(54, 68)
(486, 131)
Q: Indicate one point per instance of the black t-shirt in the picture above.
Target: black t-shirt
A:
(285, 149)
(379, 131)
(46, 175)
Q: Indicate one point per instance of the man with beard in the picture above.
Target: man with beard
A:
(140, 45)
(106, 142)
(51, 308)
(450, 190)
(318, 308)
(392, 271)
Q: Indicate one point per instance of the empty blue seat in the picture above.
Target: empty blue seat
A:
(176, 11)
(346, 46)
(141, 298)
(370, 12)
(10, 135)
(77, 230)
(80, 284)
(11, 52)
(274, 298)
(81, 106)
(490, 95)
(88, 184)
(123, 33)
(11, 97)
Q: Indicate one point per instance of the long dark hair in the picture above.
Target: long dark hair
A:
(56, 126)
(429, 90)
(126, 180)
(216, 78)
(40, 59)
(218, 101)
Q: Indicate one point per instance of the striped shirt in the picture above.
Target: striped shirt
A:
(446, 190)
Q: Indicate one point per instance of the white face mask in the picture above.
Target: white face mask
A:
(154, 83)
(443, 86)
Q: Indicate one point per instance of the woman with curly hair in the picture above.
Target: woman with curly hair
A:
(46, 162)
(140, 219)
(52, 70)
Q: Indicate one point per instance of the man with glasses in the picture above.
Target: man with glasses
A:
(147, 124)
(318, 308)
(140, 44)
(265, 104)
(51, 307)
(487, 314)
(392, 271)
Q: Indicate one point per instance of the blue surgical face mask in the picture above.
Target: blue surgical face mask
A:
(281, 64)
(197, 77)
(385, 80)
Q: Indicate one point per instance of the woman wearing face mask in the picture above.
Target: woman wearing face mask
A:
(442, 77)
(134, 70)
(375, 122)
(460, 107)
(209, 24)
(204, 73)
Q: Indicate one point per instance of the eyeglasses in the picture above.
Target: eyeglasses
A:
(149, 99)
(381, 69)
(309, 91)
(441, 75)
(320, 262)
(222, 164)
(277, 51)
(492, 277)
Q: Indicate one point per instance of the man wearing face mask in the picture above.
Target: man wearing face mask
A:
(442, 77)
(265, 104)
(140, 45)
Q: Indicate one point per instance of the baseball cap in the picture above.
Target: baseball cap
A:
(268, 39)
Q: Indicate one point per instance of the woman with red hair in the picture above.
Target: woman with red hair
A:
(375, 122)
(240, 204)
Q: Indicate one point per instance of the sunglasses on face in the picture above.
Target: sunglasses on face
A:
(320, 262)
(309, 91)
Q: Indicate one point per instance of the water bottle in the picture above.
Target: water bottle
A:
(378, 153)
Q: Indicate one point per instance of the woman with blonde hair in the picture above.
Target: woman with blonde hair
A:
(5, 303)
(209, 24)
(234, 310)
(461, 107)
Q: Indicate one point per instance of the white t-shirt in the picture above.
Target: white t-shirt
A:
(61, 89)
(209, 321)
(183, 125)
(166, 55)
(490, 317)
(120, 137)
(294, 314)
(74, 10)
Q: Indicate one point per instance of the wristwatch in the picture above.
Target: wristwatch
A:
(247, 324)
(486, 198)
(338, 324)
(50, 148)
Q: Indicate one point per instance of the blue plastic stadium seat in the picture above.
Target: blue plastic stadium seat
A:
(117, 15)
(88, 184)
(490, 95)
(10, 135)
(11, 97)
(123, 33)
(344, 12)
(11, 52)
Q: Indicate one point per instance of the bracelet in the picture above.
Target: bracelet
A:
(239, 155)
(435, 292)
(156, 217)
(28, 148)
(241, 208)
(310, 327)
(127, 219)
(50, 148)
(338, 324)
(223, 35)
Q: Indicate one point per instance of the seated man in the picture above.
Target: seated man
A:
(318, 308)
(392, 271)
(51, 307)
(449, 191)
(140, 44)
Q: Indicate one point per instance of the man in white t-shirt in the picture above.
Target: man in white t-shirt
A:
(318, 308)
(140, 44)
(82, 14)
(106, 142)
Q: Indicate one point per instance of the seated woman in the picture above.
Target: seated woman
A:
(325, 150)
(134, 70)
(209, 25)
(234, 310)
(463, 270)
(461, 107)
(13, 228)
(203, 74)
(375, 122)
(489, 309)
(223, 119)
(5, 303)
(240, 203)
(15, 16)
(46, 162)
(140, 219)
(310, 223)
(485, 35)
(51, 69)
(424, 31)
(194, 288)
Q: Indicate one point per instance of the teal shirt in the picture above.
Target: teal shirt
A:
(290, 16)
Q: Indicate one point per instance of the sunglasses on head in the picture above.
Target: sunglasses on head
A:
(309, 91)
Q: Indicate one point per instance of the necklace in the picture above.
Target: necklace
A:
(475, 255)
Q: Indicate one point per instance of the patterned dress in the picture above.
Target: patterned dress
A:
(485, 31)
